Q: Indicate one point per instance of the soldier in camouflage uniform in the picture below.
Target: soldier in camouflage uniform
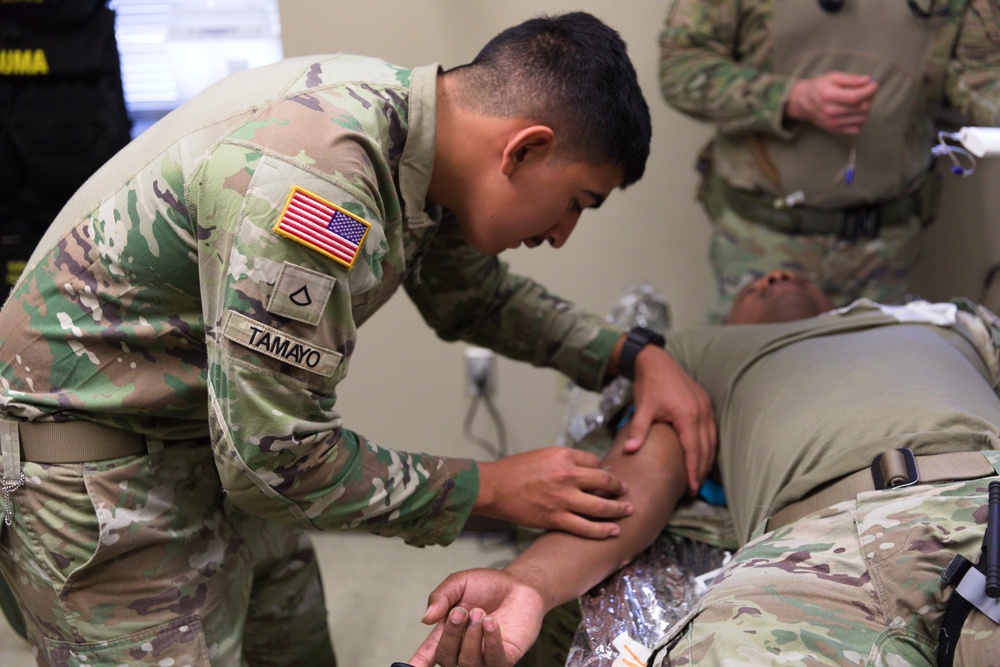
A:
(820, 162)
(833, 570)
(169, 359)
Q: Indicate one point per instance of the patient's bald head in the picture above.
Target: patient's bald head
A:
(778, 296)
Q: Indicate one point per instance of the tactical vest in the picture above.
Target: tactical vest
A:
(883, 39)
(62, 114)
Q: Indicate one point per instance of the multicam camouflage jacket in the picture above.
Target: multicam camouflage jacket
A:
(210, 280)
(715, 63)
(732, 63)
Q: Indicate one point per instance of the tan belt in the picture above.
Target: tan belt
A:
(76, 442)
(895, 469)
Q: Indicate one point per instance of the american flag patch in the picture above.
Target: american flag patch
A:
(322, 226)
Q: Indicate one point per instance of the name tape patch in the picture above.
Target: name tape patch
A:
(292, 350)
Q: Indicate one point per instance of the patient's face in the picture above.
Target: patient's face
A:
(779, 296)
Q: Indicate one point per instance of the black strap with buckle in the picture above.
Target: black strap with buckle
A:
(853, 223)
(861, 222)
(955, 613)
(959, 607)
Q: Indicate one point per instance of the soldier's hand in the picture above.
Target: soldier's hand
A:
(837, 102)
(556, 488)
(663, 392)
(469, 608)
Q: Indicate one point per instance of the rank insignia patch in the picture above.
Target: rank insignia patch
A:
(300, 293)
(322, 226)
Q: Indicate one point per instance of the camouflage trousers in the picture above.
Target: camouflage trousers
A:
(742, 250)
(858, 583)
(141, 560)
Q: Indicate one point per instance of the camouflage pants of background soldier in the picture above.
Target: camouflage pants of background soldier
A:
(141, 560)
(858, 583)
(879, 269)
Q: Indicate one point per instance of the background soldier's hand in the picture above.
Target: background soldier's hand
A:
(837, 102)
(663, 392)
(555, 488)
(469, 609)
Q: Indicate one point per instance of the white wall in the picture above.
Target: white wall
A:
(405, 388)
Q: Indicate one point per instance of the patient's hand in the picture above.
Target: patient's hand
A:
(469, 608)
(555, 488)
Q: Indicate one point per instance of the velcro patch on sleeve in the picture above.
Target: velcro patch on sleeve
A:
(300, 293)
(323, 226)
(292, 350)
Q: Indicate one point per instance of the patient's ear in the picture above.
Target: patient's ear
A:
(528, 146)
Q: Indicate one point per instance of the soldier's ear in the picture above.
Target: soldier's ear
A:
(528, 145)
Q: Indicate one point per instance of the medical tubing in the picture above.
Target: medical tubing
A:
(992, 542)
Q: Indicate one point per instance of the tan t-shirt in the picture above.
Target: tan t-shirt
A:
(803, 403)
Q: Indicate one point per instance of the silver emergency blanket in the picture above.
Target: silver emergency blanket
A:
(639, 305)
(630, 612)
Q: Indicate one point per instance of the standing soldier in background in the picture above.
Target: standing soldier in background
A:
(171, 357)
(62, 113)
(824, 115)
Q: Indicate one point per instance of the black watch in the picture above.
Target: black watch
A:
(637, 338)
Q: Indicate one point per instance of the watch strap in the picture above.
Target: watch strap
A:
(635, 341)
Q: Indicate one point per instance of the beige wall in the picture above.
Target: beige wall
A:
(405, 388)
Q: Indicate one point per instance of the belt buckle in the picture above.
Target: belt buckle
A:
(861, 221)
(879, 474)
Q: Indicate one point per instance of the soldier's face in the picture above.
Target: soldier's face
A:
(778, 296)
(538, 203)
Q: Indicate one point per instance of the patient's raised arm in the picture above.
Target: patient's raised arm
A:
(491, 617)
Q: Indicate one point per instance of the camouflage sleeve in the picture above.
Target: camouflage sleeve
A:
(973, 84)
(464, 295)
(705, 74)
(280, 328)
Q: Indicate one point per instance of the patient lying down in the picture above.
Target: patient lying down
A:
(806, 397)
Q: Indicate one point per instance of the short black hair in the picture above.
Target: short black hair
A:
(570, 72)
